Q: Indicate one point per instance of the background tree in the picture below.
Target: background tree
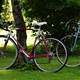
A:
(1, 8)
(54, 12)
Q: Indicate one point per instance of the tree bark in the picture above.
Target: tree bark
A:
(19, 23)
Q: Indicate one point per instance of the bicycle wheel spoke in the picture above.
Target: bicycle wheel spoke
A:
(50, 62)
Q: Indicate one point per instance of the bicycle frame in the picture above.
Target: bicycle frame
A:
(76, 35)
(43, 54)
(40, 36)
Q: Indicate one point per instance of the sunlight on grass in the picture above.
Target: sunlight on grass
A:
(30, 38)
(3, 72)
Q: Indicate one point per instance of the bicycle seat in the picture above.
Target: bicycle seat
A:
(35, 23)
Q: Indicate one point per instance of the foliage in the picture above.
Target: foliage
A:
(55, 12)
(1, 2)
(6, 13)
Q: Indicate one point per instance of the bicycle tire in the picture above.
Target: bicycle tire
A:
(71, 26)
(43, 63)
(8, 52)
(74, 56)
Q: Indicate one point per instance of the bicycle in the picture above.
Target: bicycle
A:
(72, 42)
(44, 54)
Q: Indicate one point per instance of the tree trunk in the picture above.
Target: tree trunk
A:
(19, 23)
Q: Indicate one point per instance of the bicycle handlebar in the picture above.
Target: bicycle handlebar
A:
(34, 23)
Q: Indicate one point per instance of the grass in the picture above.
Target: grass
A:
(65, 74)
(18, 74)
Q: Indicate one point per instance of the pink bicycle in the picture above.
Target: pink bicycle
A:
(47, 53)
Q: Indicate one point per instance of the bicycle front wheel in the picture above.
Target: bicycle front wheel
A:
(8, 52)
(73, 47)
(46, 55)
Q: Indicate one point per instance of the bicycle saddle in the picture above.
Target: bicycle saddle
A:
(35, 23)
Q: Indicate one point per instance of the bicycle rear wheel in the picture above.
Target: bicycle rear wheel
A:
(73, 50)
(8, 52)
(47, 59)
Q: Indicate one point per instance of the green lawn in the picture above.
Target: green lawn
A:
(19, 74)
(64, 74)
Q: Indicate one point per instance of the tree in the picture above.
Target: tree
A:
(54, 12)
(19, 23)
